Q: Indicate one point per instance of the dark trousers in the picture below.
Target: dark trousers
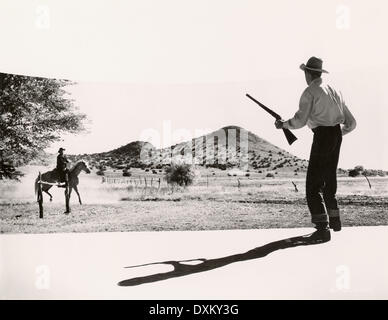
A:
(63, 175)
(321, 180)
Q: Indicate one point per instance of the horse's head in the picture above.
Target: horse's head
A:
(84, 166)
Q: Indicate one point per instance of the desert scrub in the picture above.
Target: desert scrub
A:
(179, 174)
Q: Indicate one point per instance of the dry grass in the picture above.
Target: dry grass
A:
(208, 205)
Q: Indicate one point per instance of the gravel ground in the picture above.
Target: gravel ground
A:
(176, 214)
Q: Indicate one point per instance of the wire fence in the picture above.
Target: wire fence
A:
(239, 182)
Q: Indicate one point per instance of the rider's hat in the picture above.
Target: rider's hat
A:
(61, 149)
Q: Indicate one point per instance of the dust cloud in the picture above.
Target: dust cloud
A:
(90, 187)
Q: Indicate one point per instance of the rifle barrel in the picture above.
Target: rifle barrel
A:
(272, 113)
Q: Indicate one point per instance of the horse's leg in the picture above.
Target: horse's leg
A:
(51, 197)
(79, 197)
(46, 189)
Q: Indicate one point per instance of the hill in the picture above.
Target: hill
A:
(228, 147)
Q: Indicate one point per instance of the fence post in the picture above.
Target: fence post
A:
(40, 196)
(296, 189)
(370, 186)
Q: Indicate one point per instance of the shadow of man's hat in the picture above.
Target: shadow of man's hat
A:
(61, 149)
(313, 64)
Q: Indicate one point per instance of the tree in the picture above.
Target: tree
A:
(359, 168)
(34, 112)
(180, 174)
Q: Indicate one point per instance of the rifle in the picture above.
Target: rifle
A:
(289, 135)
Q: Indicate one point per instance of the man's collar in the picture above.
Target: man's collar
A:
(316, 82)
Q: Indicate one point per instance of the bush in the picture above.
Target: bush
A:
(180, 174)
(126, 173)
(221, 166)
(247, 174)
(354, 173)
(100, 172)
(373, 173)
(270, 175)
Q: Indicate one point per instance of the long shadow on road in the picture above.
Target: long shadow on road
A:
(181, 269)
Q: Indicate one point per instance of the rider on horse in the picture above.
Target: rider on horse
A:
(62, 166)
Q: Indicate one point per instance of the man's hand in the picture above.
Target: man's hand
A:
(279, 124)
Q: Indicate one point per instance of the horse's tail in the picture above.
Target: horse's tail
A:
(36, 185)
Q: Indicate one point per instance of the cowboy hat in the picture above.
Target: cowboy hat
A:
(313, 64)
(61, 149)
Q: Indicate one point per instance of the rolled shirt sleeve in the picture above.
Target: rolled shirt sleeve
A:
(301, 116)
(349, 123)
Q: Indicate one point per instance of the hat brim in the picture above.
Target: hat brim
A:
(304, 67)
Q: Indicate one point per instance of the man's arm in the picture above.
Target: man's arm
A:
(349, 123)
(300, 118)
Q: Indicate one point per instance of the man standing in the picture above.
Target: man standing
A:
(323, 110)
(62, 165)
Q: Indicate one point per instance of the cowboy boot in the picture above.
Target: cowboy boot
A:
(334, 220)
(322, 234)
(335, 223)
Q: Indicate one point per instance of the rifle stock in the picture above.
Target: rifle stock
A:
(289, 135)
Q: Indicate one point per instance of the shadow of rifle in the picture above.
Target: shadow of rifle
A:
(181, 269)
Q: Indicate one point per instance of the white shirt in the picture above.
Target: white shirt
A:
(321, 107)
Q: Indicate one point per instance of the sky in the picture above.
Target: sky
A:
(177, 68)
